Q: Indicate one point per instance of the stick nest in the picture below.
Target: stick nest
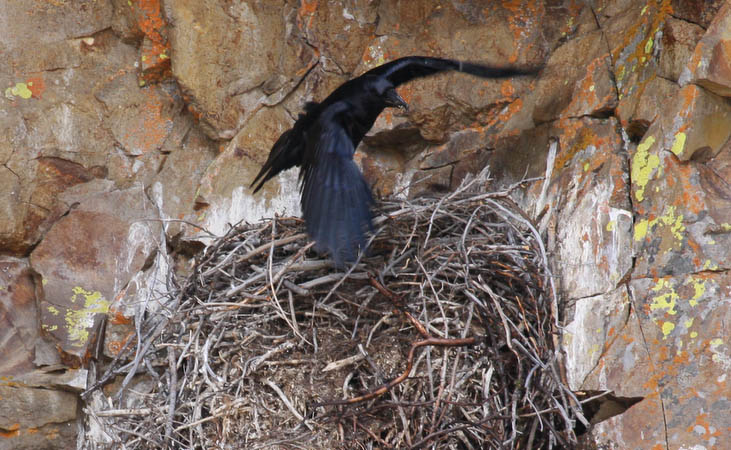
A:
(443, 336)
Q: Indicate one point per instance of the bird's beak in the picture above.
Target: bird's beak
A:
(395, 100)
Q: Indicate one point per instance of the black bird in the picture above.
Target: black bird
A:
(335, 197)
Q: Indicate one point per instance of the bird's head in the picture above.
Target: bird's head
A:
(393, 99)
(387, 92)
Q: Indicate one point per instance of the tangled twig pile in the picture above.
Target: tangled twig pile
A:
(443, 336)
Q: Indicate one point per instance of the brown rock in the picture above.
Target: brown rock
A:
(124, 21)
(450, 102)
(61, 134)
(605, 9)
(175, 187)
(604, 347)
(86, 258)
(339, 31)
(145, 128)
(641, 426)
(37, 418)
(709, 66)
(18, 317)
(33, 24)
(641, 110)
(33, 208)
(608, 330)
(224, 197)
(633, 41)
(457, 30)
(576, 81)
(680, 202)
(589, 196)
(700, 12)
(679, 39)
(232, 88)
(683, 321)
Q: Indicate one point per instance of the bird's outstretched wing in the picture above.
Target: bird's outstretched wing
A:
(287, 152)
(336, 199)
(410, 67)
(283, 156)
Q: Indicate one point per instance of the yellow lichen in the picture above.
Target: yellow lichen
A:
(79, 321)
(700, 288)
(19, 90)
(648, 45)
(667, 328)
(643, 165)
(666, 301)
(641, 229)
(669, 219)
(678, 143)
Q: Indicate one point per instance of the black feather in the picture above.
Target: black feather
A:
(336, 199)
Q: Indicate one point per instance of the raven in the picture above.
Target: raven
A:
(335, 197)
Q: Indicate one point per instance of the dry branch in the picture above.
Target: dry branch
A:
(259, 340)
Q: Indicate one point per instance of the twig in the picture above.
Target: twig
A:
(398, 380)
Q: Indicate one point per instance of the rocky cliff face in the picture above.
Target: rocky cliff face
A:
(128, 127)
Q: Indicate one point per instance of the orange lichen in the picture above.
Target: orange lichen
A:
(506, 88)
(117, 318)
(37, 85)
(10, 431)
(586, 137)
(152, 135)
(702, 421)
(521, 13)
(306, 14)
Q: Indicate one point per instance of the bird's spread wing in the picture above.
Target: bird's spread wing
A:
(408, 68)
(282, 157)
(288, 151)
(336, 199)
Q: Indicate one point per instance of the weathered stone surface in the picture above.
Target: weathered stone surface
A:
(589, 197)
(231, 89)
(175, 186)
(679, 39)
(18, 317)
(142, 119)
(700, 12)
(681, 204)
(339, 31)
(684, 323)
(224, 192)
(458, 29)
(640, 427)
(74, 380)
(449, 102)
(633, 37)
(26, 24)
(641, 110)
(576, 81)
(73, 110)
(37, 418)
(709, 65)
(87, 258)
(617, 345)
